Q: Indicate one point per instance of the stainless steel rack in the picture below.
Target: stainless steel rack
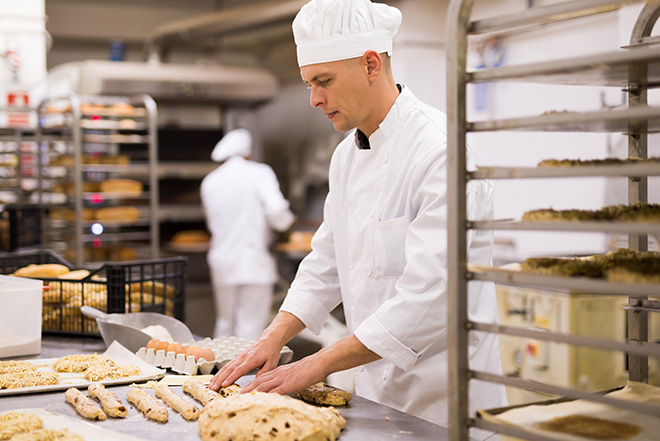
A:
(76, 128)
(18, 153)
(635, 68)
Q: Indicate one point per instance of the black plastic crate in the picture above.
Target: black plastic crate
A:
(156, 285)
(20, 226)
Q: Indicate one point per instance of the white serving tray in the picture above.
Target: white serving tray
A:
(86, 430)
(116, 352)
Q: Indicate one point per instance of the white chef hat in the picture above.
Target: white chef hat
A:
(332, 30)
(236, 142)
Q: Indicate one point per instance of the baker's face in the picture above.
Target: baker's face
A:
(339, 89)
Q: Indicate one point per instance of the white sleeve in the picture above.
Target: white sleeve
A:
(276, 207)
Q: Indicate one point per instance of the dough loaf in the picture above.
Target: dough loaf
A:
(12, 423)
(83, 405)
(271, 417)
(187, 410)
(199, 392)
(321, 393)
(191, 236)
(120, 214)
(148, 405)
(111, 405)
(46, 270)
(129, 186)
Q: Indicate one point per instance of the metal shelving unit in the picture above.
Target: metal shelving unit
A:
(635, 68)
(18, 154)
(85, 141)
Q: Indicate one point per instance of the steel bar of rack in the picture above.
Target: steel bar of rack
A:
(618, 120)
(649, 409)
(152, 123)
(607, 69)
(637, 347)
(641, 169)
(646, 227)
(576, 285)
(545, 15)
(511, 430)
(638, 369)
(458, 18)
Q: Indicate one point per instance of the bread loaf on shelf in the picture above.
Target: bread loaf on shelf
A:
(128, 186)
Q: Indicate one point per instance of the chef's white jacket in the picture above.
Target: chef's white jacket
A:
(382, 251)
(243, 204)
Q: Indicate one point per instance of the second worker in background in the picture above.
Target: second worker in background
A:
(243, 204)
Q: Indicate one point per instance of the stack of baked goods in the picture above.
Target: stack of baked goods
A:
(623, 265)
(639, 212)
(66, 291)
(191, 239)
(127, 187)
(594, 162)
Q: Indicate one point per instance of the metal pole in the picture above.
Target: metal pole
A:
(457, 316)
(152, 127)
(638, 366)
(77, 178)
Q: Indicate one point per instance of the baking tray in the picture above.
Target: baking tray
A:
(115, 352)
(89, 431)
(528, 416)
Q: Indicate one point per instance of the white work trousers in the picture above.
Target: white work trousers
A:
(242, 310)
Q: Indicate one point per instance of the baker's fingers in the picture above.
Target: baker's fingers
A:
(233, 370)
(262, 384)
(270, 364)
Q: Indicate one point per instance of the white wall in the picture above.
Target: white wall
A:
(419, 52)
(22, 53)
(508, 100)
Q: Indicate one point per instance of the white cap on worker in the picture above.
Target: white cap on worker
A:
(332, 30)
(236, 142)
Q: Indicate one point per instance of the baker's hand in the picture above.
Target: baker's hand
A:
(263, 355)
(288, 378)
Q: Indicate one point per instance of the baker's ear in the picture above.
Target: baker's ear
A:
(373, 63)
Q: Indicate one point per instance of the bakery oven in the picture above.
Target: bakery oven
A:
(555, 363)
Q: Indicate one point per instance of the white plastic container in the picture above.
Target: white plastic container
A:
(20, 316)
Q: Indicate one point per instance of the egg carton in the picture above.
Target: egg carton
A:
(224, 348)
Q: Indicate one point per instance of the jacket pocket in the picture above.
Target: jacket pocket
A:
(390, 246)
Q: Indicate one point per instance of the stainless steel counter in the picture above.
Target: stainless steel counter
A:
(365, 420)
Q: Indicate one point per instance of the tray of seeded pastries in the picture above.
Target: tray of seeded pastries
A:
(117, 365)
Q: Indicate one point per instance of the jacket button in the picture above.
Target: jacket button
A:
(359, 368)
(351, 265)
(367, 271)
(383, 158)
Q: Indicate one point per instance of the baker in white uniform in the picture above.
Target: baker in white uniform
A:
(243, 204)
(382, 247)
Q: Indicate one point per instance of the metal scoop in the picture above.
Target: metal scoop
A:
(127, 329)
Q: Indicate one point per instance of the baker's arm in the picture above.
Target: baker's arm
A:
(263, 355)
(347, 353)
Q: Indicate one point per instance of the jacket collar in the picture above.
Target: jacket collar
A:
(392, 122)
